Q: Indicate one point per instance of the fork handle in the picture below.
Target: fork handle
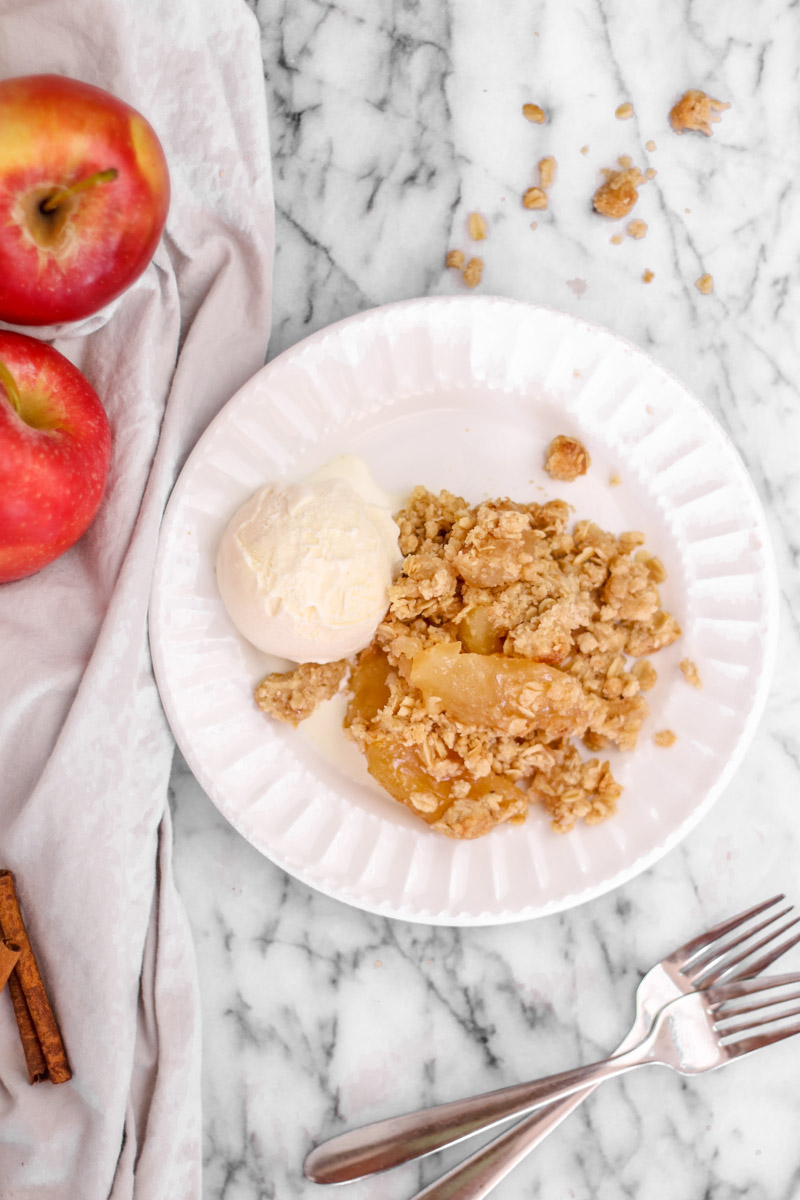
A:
(385, 1144)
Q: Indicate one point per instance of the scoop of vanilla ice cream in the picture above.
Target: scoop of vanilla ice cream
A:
(304, 569)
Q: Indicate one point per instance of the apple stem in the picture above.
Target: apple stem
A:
(60, 195)
(10, 384)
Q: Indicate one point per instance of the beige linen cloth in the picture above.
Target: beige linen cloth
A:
(85, 751)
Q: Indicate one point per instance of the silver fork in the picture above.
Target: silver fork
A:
(719, 954)
(698, 1032)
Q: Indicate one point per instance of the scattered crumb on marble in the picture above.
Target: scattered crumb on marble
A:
(532, 112)
(636, 229)
(687, 210)
(704, 284)
(577, 286)
(617, 195)
(696, 111)
(534, 224)
(535, 197)
(477, 227)
(616, 239)
(576, 373)
(615, 480)
(648, 408)
(625, 161)
(624, 111)
(584, 149)
(473, 272)
(651, 146)
(665, 737)
(455, 258)
(690, 673)
(650, 173)
(566, 458)
(647, 275)
(377, 963)
(547, 171)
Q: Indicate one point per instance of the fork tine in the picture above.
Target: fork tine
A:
(747, 1045)
(719, 995)
(760, 964)
(703, 941)
(731, 1030)
(721, 966)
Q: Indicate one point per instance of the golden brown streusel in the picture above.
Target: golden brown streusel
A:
(696, 111)
(637, 229)
(547, 171)
(292, 696)
(705, 284)
(690, 673)
(535, 197)
(647, 275)
(477, 227)
(473, 272)
(507, 635)
(624, 111)
(532, 112)
(566, 458)
(665, 737)
(617, 195)
(455, 258)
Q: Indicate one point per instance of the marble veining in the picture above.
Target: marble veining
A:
(392, 120)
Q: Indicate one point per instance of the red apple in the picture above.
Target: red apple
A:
(84, 193)
(55, 447)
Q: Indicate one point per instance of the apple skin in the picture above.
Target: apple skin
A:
(66, 264)
(54, 455)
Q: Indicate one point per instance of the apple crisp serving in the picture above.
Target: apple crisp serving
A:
(507, 639)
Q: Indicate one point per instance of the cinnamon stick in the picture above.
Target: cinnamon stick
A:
(31, 1047)
(33, 994)
(9, 953)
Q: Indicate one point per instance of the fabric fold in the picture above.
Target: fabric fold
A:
(85, 751)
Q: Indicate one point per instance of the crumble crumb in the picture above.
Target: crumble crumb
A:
(477, 227)
(617, 195)
(616, 239)
(532, 112)
(473, 272)
(615, 480)
(704, 284)
(650, 173)
(636, 229)
(566, 458)
(547, 171)
(647, 276)
(665, 737)
(292, 696)
(624, 112)
(651, 146)
(534, 224)
(535, 197)
(690, 673)
(455, 258)
(584, 149)
(696, 111)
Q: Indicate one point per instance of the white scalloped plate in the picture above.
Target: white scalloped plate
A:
(465, 393)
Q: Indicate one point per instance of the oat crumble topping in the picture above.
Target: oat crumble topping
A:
(647, 275)
(293, 696)
(455, 258)
(532, 112)
(624, 112)
(696, 111)
(535, 197)
(547, 171)
(566, 458)
(617, 195)
(665, 737)
(507, 636)
(690, 673)
(473, 272)
(477, 227)
(637, 229)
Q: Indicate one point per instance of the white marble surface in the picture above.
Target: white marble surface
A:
(391, 120)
